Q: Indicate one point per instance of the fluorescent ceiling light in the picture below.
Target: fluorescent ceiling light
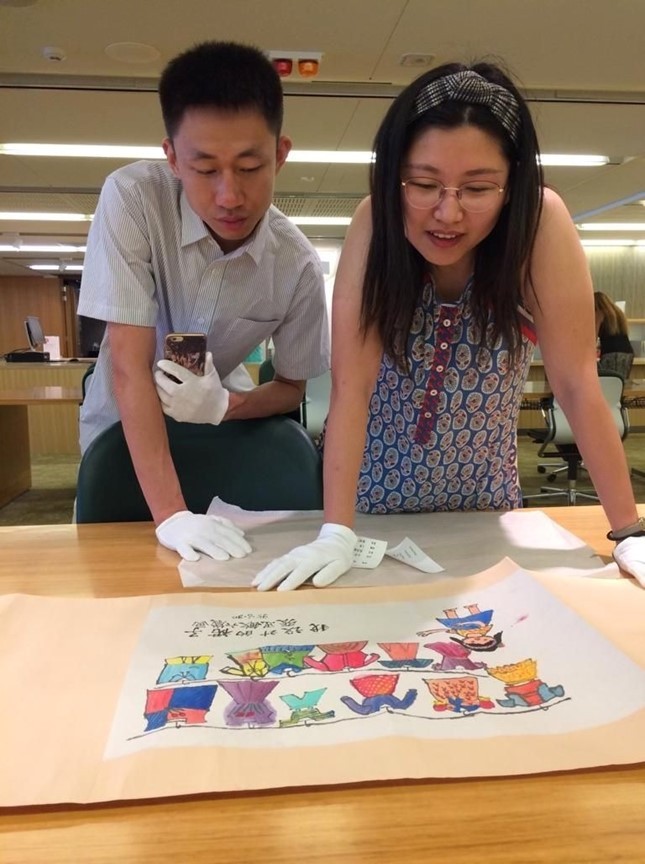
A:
(66, 267)
(320, 220)
(611, 226)
(345, 157)
(47, 217)
(95, 151)
(608, 242)
(572, 159)
(52, 247)
(118, 151)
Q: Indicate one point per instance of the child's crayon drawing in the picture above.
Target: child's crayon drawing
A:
(506, 660)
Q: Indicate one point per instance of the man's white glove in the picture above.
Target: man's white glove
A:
(629, 554)
(191, 533)
(327, 558)
(197, 399)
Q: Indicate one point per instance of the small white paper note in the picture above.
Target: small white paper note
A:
(409, 553)
(368, 553)
(52, 346)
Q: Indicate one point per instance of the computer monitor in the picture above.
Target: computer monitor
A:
(35, 335)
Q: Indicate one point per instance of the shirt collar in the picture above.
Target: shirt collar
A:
(193, 229)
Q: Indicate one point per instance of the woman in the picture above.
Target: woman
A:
(616, 352)
(455, 266)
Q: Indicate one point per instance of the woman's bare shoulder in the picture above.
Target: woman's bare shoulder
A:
(553, 207)
(362, 217)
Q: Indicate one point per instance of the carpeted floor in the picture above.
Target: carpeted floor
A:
(51, 499)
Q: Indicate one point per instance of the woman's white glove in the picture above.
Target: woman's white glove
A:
(326, 559)
(629, 554)
(191, 533)
(197, 399)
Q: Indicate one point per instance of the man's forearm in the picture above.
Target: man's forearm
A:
(145, 433)
(275, 397)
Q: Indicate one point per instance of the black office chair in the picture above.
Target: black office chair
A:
(634, 402)
(265, 464)
(617, 363)
(558, 433)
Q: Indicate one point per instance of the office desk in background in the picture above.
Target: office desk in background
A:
(588, 816)
(53, 426)
(538, 388)
(15, 464)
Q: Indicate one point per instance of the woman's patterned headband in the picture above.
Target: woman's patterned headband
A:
(468, 86)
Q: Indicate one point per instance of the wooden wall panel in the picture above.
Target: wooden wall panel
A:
(31, 295)
(620, 273)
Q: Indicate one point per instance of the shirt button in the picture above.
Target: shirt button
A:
(433, 392)
(447, 322)
(200, 320)
(439, 368)
(444, 345)
(428, 414)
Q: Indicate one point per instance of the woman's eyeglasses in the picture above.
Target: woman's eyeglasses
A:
(476, 196)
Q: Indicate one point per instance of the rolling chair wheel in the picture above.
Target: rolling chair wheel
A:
(541, 469)
(551, 478)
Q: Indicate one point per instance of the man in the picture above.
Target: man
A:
(193, 244)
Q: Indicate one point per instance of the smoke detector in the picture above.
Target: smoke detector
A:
(418, 61)
(54, 54)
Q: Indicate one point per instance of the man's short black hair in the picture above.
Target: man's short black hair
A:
(224, 75)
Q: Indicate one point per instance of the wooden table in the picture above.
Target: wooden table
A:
(15, 463)
(583, 817)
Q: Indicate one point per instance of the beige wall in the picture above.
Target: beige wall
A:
(620, 273)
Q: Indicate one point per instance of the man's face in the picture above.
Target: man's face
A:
(227, 163)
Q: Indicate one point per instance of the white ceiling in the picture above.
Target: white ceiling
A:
(580, 62)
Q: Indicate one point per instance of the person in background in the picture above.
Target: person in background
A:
(193, 244)
(459, 262)
(616, 352)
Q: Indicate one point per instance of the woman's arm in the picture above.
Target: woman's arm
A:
(355, 361)
(563, 312)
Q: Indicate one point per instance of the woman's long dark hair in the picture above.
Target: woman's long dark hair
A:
(613, 317)
(395, 272)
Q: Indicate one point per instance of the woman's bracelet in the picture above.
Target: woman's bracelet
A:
(636, 529)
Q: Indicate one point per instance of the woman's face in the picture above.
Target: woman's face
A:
(446, 235)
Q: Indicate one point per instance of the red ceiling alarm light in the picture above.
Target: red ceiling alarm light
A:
(307, 63)
(283, 66)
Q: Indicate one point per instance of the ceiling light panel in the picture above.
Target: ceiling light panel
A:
(611, 226)
(45, 217)
(345, 157)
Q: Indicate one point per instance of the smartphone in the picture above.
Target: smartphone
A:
(187, 349)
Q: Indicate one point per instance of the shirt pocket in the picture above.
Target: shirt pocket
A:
(244, 334)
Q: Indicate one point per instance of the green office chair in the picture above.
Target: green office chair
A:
(265, 464)
(89, 371)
